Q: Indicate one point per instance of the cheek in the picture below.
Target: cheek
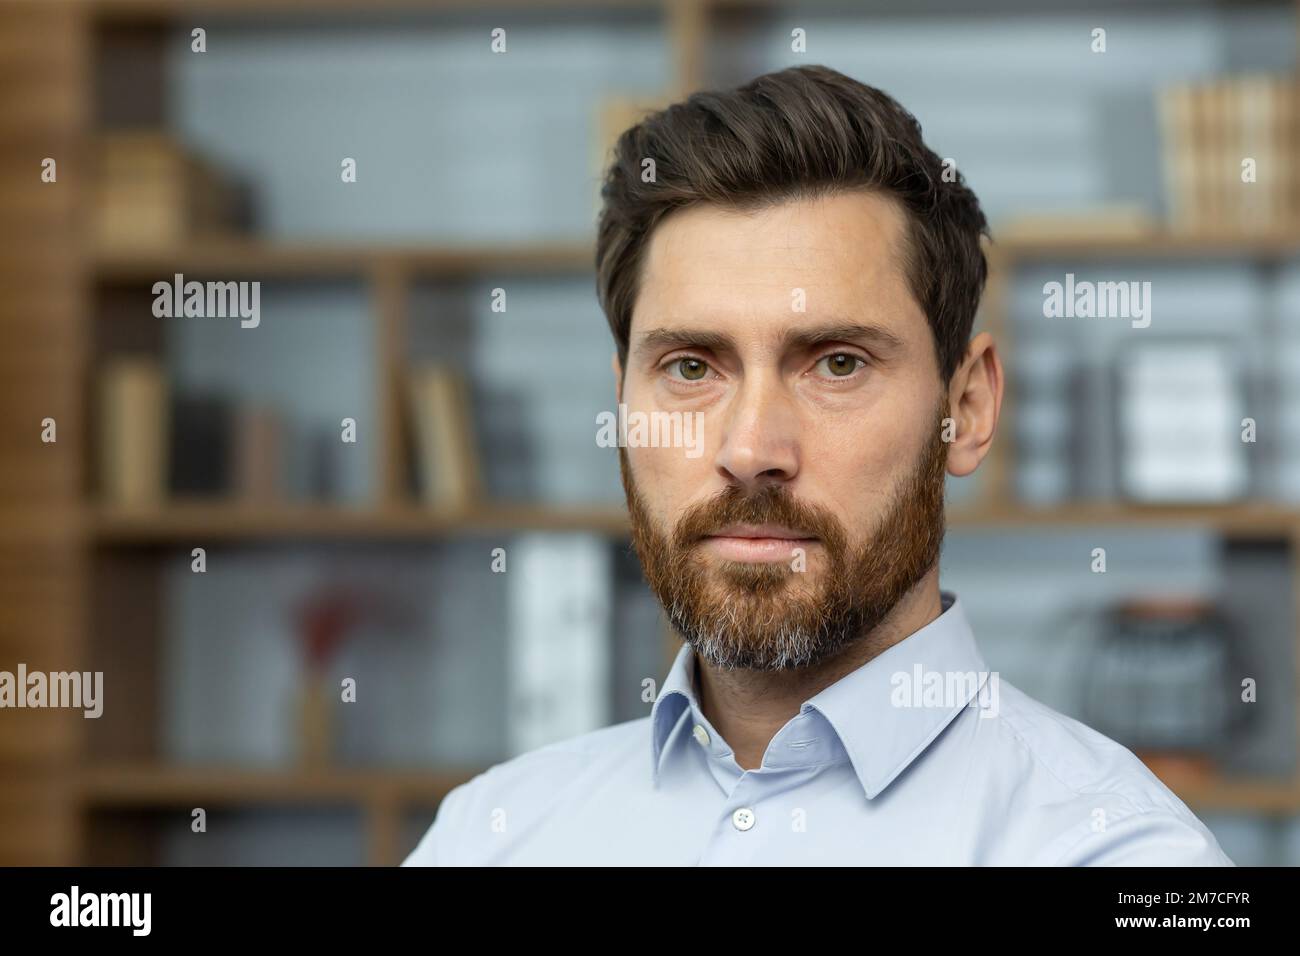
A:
(665, 478)
(859, 467)
(657, 481)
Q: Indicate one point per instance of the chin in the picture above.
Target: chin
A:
(759, 583)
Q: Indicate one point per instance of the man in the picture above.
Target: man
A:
(798, 273)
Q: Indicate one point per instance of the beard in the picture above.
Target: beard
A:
(768, 616)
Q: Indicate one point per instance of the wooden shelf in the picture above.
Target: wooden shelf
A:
(231, 258)
(1246, 519)
(186, 522)
(136, 786)
(145, 11)
(1232, 796)
(217, 521)
(1156, 245)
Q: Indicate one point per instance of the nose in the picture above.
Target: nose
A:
(760, 435)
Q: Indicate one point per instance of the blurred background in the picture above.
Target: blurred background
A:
(230, 522)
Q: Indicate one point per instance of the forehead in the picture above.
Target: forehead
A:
(707, 264)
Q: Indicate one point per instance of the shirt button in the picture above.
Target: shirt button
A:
(743, 818)
(701, 735)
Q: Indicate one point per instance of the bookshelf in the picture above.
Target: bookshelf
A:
(324, 260)
(281, 260)
(224, 522)
(382, 796)
(54, 535)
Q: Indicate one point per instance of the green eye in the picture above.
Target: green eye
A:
(841, 364)
(692, 369)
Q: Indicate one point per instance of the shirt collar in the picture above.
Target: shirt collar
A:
(884, 714)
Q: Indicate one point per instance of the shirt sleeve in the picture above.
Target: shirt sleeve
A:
(1152, 838)
(437, 846)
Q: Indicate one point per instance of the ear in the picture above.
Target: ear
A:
(974, 402)
(618, 378)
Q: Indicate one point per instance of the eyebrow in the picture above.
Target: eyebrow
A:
(793, 338)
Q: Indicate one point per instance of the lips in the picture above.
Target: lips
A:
(756, 543)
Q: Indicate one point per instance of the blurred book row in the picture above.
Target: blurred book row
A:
(299, 654)
(1172, 436)
(1229, 148)
(152, 191)
(1202, 408)
(153, 444)
(536, 637)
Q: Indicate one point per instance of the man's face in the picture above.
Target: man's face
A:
(817, 503)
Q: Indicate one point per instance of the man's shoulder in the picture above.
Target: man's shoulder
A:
(1082, 760)
(1121, 811)
(529, 780)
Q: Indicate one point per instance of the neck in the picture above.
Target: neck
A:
(748, 707)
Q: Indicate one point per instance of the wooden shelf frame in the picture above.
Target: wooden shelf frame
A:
(384, 797)
(374, 263)
(208, 522)
(317, 260)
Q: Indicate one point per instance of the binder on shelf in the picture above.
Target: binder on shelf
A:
(559, 658)
(1180, 411)
(202, 445)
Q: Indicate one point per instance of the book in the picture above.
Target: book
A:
(1174, 109)
(152, 191)
(202, 442)
(559, 655)
(1180, 409)
(447, 468)
(258, 459)
(1105, 221)
(133, 432)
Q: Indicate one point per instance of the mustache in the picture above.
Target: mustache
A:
(771, 504)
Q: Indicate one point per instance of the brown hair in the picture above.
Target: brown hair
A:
(798, 133)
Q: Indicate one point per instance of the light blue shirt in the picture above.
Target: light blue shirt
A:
(919, 756)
